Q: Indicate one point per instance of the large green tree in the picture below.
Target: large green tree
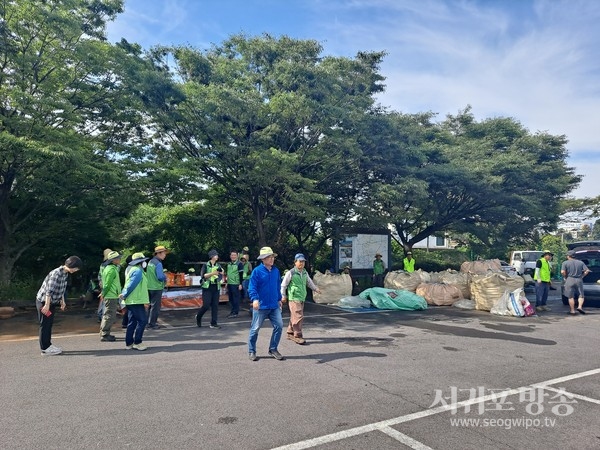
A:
(62, 111)
(273, 123)
(493, 179)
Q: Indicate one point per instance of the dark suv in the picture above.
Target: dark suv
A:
(589, 253)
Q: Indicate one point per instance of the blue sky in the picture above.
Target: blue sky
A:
(534, 60)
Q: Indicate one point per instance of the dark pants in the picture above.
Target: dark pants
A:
(155, 300)
(233, 290)
(541, 293)
(136, 325)
(246, 284)
(125, 320)
(378, 280)
(45, 325)
(210, 299)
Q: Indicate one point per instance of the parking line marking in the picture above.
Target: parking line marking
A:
(325, 439)
(404, 439)
(575, 376)
(571, 394)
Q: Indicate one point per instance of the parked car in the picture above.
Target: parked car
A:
(525, 260)
(589, 253)
(508, 269)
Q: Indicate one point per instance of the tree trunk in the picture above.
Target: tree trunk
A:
(6, 269)
(260, 229)
(6, 265)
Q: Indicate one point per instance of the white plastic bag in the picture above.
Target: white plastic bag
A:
(465, 303)
(500, 308)
(353, 302)
(515, 304)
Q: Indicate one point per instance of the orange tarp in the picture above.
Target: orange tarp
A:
(185, 298)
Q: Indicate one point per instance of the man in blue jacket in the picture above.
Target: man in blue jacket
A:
(264, 291)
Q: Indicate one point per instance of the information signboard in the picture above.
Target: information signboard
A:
(356, 249)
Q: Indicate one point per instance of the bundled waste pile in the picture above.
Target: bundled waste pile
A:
(481, 285)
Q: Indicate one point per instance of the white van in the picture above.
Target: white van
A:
(524, 261)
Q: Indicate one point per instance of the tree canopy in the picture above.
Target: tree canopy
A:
(492, 179)
(258, 140)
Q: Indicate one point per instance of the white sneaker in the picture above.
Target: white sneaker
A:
(51, 351)
(128, 347)
(140, 347)
(56, 347)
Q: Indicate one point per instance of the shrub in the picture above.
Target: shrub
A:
(18, 292)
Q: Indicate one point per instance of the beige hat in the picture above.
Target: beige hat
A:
(266, 251)
(137, 258)
(113, 255)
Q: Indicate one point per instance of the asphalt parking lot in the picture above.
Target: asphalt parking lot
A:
(442, 378)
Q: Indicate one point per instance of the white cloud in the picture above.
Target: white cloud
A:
(535, 64)
(590, 186)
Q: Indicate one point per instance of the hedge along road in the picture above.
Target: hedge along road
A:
(196, 388)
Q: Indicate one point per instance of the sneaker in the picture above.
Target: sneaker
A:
(128, 347)
(108, 338)
(51, 351)
(540, 308)
(140, 347)
(232, 315)
(215, 326)
(275, 354)
(56, 347)
(547, 308)
(252, 356)
(154, 327)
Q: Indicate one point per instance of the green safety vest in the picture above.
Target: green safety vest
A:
(139, 296)
(544, 271)
(409, 266)
(378, 267)
(247, 271)
(154, 284)
(233, 273)
(210, 269)
(111, 287)
(296, 290)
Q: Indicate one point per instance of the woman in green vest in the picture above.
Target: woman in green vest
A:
(135, 295)
(211, 274)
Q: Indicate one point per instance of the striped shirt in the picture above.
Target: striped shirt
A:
(54, 285)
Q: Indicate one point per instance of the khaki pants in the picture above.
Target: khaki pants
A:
(296, 318)
(110, 313)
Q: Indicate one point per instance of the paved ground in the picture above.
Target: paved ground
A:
(441, 378)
